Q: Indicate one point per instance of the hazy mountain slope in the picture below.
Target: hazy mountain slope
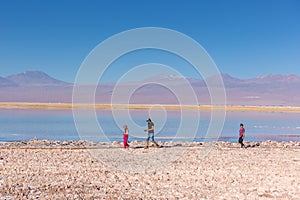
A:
(35, 86)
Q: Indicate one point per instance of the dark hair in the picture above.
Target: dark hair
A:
(148, 120)
(241, 124)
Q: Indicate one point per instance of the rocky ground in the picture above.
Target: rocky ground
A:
(40, 169)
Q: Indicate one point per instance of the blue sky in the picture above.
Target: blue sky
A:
(244, 38)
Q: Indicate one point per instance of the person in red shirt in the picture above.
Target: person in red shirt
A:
(241, 135)
(125, 134)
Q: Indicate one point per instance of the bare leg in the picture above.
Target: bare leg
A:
(147, 145)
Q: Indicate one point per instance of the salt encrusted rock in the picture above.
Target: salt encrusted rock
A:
(34, 141)
(65, 143)
(236, 144)
(227, 144)
(160, 143)
(102, 144)
(116, 144)
(47, 142)
(80, 142)
(134, 142)
(92, 144)
(270, 143)
(179, 144)
(195, 144)
(294, 144)
(170, 143)
(56, 142)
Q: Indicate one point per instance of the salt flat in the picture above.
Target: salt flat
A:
(224, 171)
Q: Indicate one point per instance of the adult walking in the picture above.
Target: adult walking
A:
(150, 132)
(242, 135)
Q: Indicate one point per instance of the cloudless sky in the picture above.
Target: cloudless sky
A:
(245, 38)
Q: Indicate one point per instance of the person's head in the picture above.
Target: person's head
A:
(148, 120)
(125, 126)
(241, 125)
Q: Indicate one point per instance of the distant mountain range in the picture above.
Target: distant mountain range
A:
(272, 89)
(30, 78)
(34, 86)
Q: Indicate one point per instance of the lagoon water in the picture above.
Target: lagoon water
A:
(25, 124)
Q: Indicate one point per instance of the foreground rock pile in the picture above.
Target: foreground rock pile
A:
(40, 169)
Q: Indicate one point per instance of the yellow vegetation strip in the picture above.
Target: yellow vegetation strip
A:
(21, 105)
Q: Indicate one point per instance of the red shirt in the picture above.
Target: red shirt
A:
(242, 132)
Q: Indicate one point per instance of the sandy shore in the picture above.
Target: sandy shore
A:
(69, 170)
(145, 106)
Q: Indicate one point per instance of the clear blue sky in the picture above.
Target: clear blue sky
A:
(245, 38)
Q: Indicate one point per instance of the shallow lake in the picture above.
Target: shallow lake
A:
(25, 124)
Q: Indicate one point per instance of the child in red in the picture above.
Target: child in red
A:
(125, 134)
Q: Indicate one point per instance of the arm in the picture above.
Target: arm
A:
(243, 133)
(149, 129)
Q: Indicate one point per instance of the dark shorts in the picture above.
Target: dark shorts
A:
(150, 135)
